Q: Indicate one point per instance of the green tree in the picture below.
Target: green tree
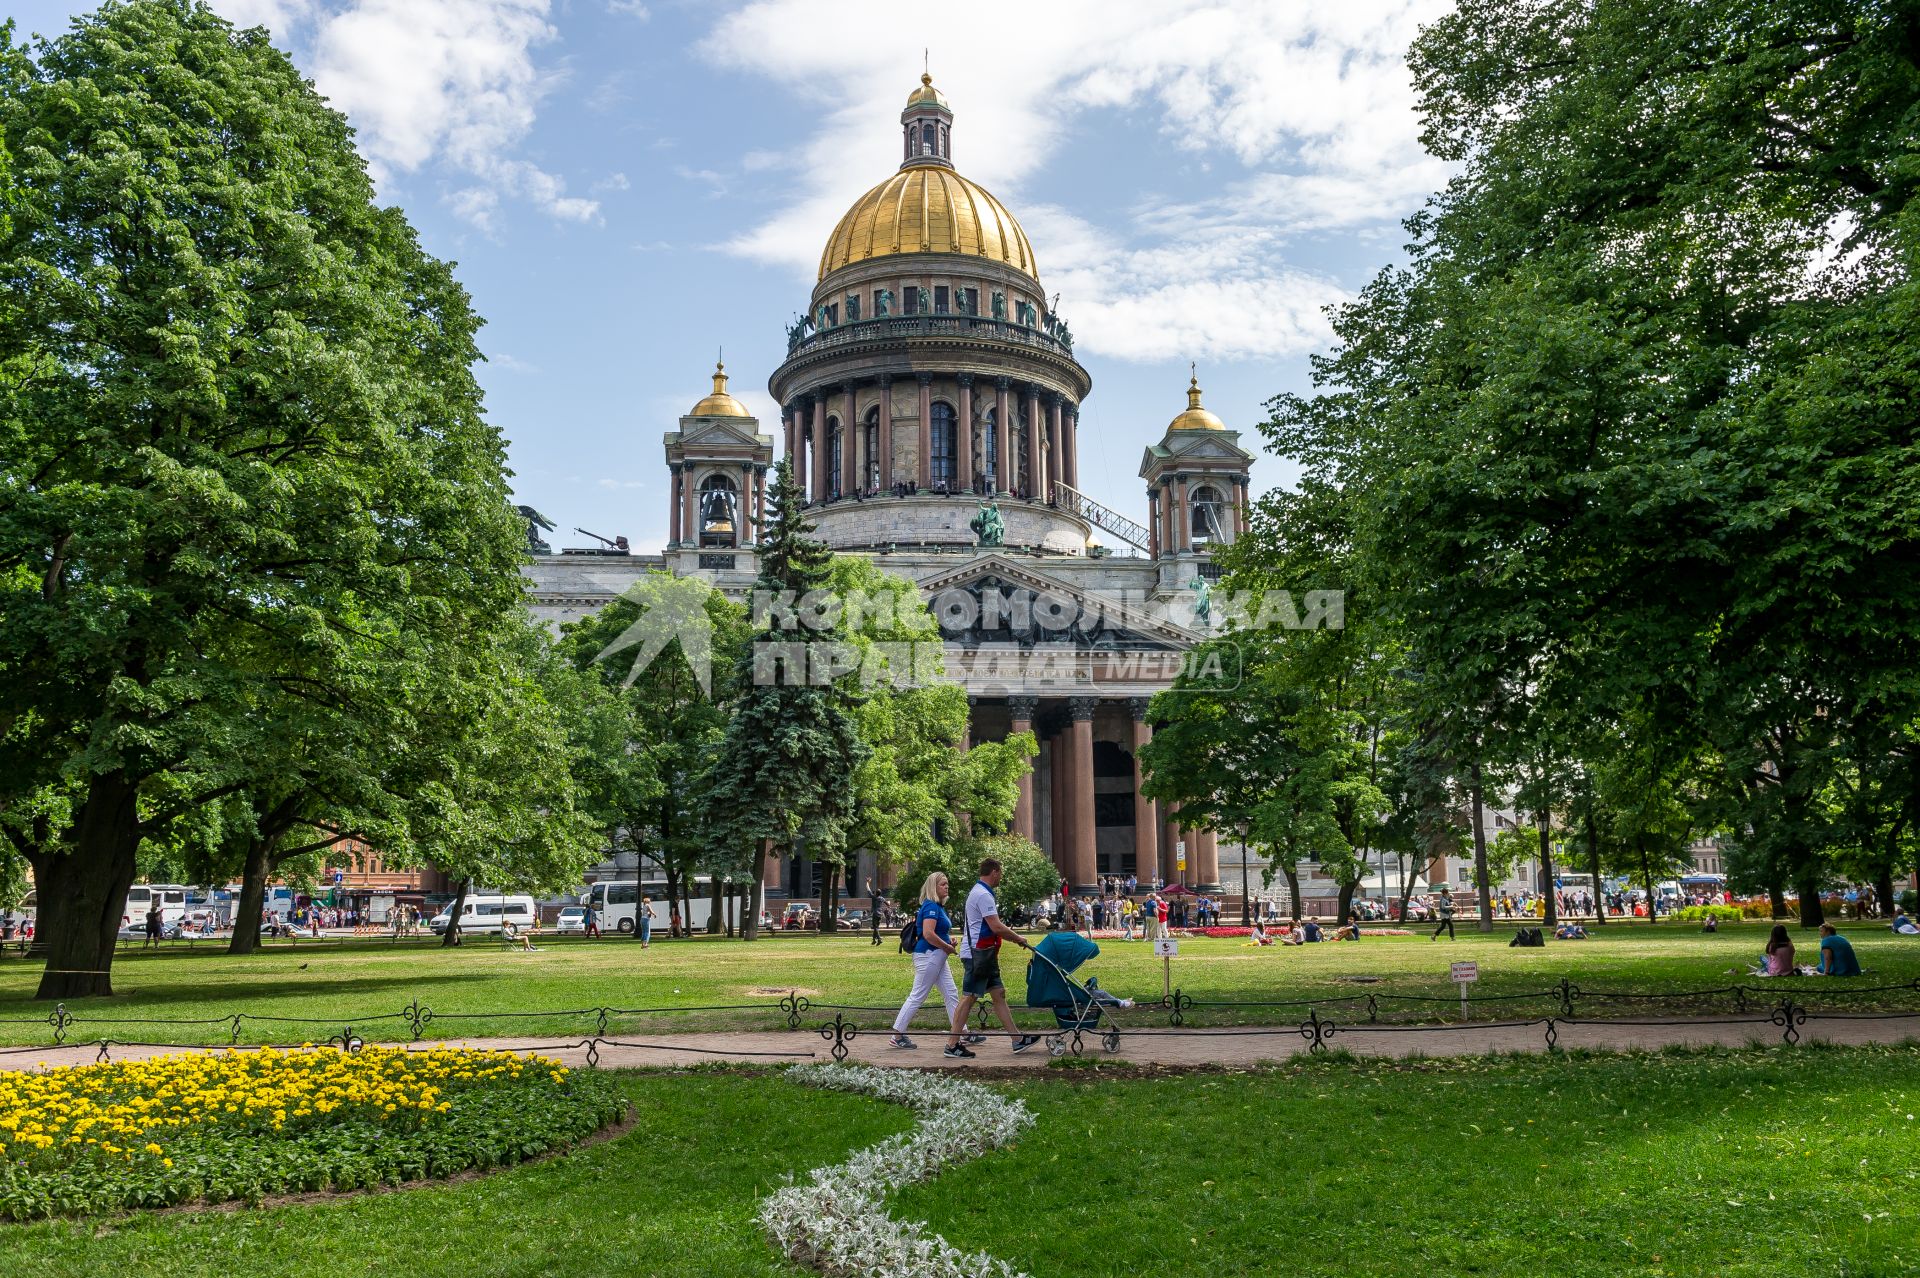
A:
(250, 432)
(1028, 876)
(784, 772)
(644, 723)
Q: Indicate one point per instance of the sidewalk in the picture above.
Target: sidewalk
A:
(1143, 1046)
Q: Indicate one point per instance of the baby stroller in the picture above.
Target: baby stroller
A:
(1077, 1009)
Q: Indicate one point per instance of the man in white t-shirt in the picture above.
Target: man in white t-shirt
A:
(980, 959)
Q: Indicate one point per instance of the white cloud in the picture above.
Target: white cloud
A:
(629, 8)
(432, 82)
(1311, 103)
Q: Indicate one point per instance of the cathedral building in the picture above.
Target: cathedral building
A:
(931, 405)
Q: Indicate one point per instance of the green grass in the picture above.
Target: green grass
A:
(341, 984)
(1750, 1163)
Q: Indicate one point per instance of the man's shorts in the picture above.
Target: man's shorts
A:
(982, 973)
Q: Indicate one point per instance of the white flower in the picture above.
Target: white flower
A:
(838, 1225)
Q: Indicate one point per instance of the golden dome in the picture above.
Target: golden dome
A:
(719, 403)
(1196, 417)
(928, 208)
(926, 95)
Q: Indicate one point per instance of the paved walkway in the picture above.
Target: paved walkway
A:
(1142, 1046)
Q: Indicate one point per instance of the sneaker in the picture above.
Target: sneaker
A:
(958, 1053)
(903, 1042)
(974, 1038)
(1022, 1044)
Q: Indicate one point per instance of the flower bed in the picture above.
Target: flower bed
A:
(837, 1224)
(241, 1125)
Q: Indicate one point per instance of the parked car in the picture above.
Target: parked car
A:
(573, 919)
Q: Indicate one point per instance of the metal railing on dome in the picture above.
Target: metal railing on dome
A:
(894, 328)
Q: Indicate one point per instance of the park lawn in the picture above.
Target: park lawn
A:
(1760, 1162)
(473, 989)
(1756, 1162)
(674, 1196)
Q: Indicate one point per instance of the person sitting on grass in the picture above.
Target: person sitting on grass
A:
(1313, 931)
(1836, 954)
(1259, 936)
(1778, 960)
(513, 933)
(1350, 931)
(1294, 936)
(1710, 924)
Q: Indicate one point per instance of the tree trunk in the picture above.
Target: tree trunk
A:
(1812, 913)
(1883, 894)
(1480, 868)
(453, 913)
(830, 899)
(87, 890)
(757, 867)
(673, 903)
(717, 909)
(1345, 905)
(1777, 899)
(1549, 906)
(1293, 891)
(1593, 866)
(253, 898)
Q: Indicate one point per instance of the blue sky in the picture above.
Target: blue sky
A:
(629, 185)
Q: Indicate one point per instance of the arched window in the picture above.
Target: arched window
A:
(941, 464)
(836, 455)
(719, 512)
(930, 138)
(871, 448)
(1207, 507)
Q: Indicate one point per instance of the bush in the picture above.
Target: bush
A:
(1701, 913)
(241, 1125)
(1027, 875)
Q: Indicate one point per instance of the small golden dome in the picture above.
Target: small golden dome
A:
(928, 209)
(719, 403)
(1196, 417)
(926, 95)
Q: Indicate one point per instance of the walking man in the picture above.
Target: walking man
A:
(154, 918)
(1444, 907)
(980, 961)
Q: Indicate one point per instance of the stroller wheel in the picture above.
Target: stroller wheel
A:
(1056, 1044)
(1110, 1041)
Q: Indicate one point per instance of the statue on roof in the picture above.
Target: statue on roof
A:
(1202, 602)
(988, 526)
(536, 524)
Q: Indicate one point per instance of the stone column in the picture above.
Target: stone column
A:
(1070, 444)
(1060, 785)
(1022, 708)
(1146, 842)
(1153, 523)
(849, 444)
(1083, 859)
(759, 501)
(1056, 472)
(818, 445)
(673, 497)
(1182, 514)
(1207, 869)
(689, 510)
(744, 529)
(925, 467)
(963, 446)
(773, 868)
(886, 432)
(791, 420)
(1003, 431)
(1036, 465)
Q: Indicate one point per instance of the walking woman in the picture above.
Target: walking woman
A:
(930, 953)
(643, 917)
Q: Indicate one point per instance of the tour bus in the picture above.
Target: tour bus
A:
(484, 913)
(141, 896)
(614, 903)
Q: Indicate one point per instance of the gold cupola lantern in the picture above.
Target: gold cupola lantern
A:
(719, 403)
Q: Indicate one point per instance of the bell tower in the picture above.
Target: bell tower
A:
(1196, 484)
(717, 463)
(927, 126)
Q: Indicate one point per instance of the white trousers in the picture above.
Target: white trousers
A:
(929, 969)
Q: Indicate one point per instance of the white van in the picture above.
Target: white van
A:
(487, 914)
(141, 897)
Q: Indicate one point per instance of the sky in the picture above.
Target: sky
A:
(630, 187)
